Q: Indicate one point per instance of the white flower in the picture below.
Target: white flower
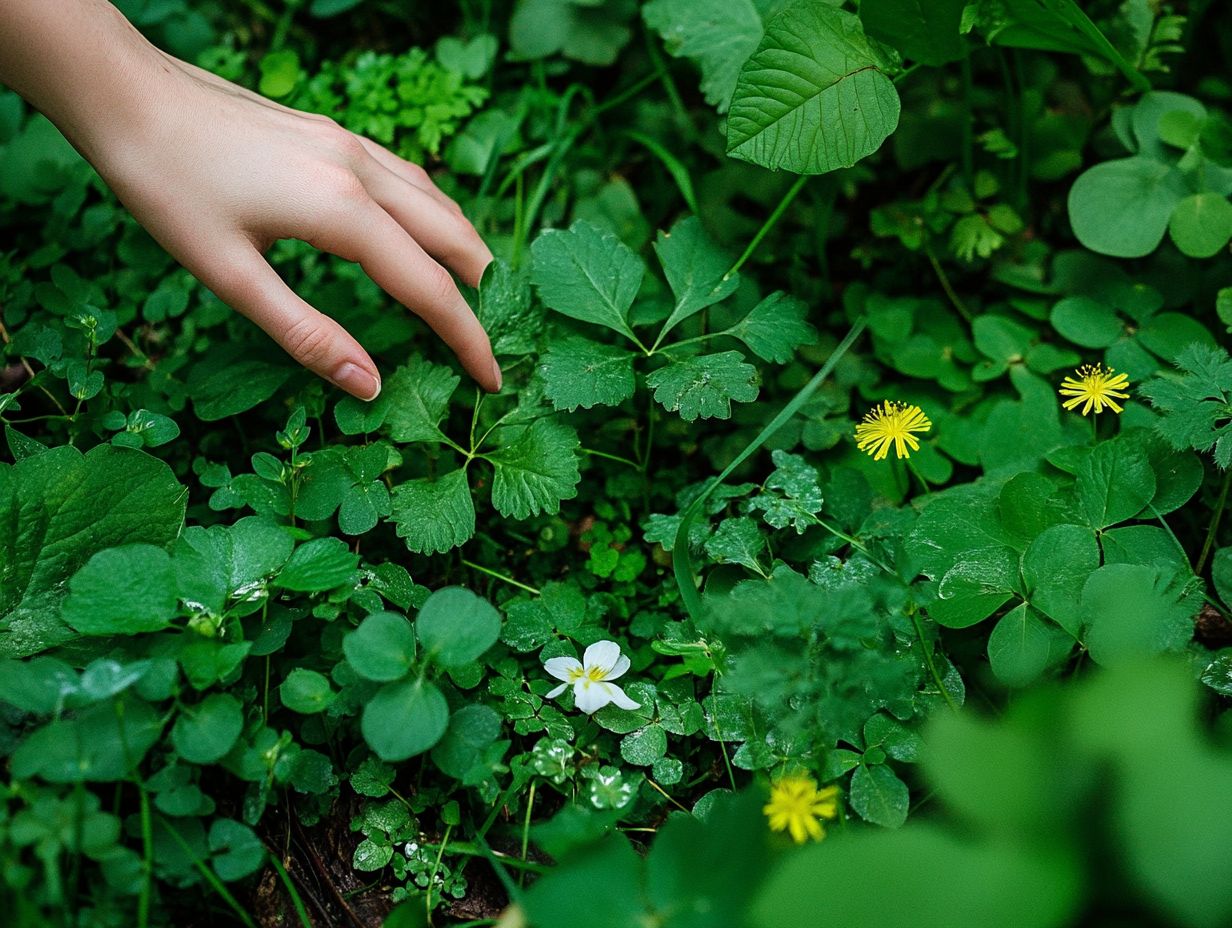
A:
(589, 677)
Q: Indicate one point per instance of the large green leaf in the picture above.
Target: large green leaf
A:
(417, 396)
(536, 470)
(434, 515)
(58, 509)
(580, 372)
(719, 36)
(1121, 208)
(696, 269)
(813, 97)
(587, 274)
(704, 385)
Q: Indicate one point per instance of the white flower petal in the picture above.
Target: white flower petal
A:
(591, 697)
(617, 695)
(622, 665)
(556, 691)
(602, 655)
(559, 667)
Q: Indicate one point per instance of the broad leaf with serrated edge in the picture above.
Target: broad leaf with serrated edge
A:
(775, 328)
(580, 372)
(434, 515)
(718, 36)
(705, 385)
(587, 274)
(813, 97)
(696, 269)
(536, 470)
(418, 397)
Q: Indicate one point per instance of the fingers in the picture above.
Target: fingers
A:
(366, 233)
(244, 280)
(442, 232)
(409, 171)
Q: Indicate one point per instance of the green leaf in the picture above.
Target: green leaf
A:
(980, 582)
(1055, 567)
(237, 851)
(205, 732)
(122, 591)
(593, 33)
(417, 396)
(472, 729)
(792, 494)
(1201, 224)
(813, 97)
(587, 274)
(1134, 610)
(1221, 574)
(913, 877)
(382, 648)
(720, 37)
(1121, 208)
(319, 565)
(775, 328)
(926, 31)
(404, 718)
(879, 796)
(215, 565)
(536, 470)
(506, 310)
(1197, 407)
(101, 744)
(737, 541)
(306, 691)
(434, 515)
(456, 627)
(1019, 646)
(580, 372)
(1086, 322)
(704, 385)
(696, 270)
(1115, 482)
(58, 509)
(645, 746)
(231, 379)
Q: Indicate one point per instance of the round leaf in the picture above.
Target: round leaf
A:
(1121, 208)
(306, 691)
(1086, 322)
(205, 732)
(456, 626)
(404, 719)
(1201, 224)
(382, 648)
(122, 591)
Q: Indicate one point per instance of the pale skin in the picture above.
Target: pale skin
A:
(217, 173)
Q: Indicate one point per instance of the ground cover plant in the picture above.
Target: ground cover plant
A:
(845, 545)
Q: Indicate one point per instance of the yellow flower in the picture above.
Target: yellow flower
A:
(1093, 386)
(797, 805)
(889, 424)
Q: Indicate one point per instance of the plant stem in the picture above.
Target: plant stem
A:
(770, 223)
(611, 457)
(944, 280)
(499, 576)
(928, 660)
(1214, 526)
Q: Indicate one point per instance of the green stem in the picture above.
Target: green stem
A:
(1214, 526)
(611, 457)
(436, 868)
(682, 563)
(300, 911)
(530, 806)
(920, 477)
(147, 857)
(928, 660)
(944, 280)
(499, 576)
(770, 223)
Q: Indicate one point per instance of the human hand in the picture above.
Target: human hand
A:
(217, 174)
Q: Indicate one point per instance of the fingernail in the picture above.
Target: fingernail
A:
(355, 380)
(496, 373)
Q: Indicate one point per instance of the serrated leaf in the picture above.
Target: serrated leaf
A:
(536, 470)
(813, 97)
(696, 270)
(792, 495)
(506, 310)
(434, 515)
(737, 541)
(775, 328)
(587, 274)
(718, 36)
(704, 385)
(580, 372)
(417, 395)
